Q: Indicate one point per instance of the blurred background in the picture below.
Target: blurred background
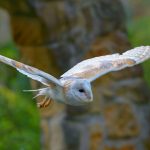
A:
(54, 36)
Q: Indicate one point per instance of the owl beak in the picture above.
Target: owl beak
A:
(90, 97)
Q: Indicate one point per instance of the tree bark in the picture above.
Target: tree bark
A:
(54, 36)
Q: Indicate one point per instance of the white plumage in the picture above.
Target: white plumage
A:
(74, 87)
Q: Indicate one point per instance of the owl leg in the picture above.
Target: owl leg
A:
(44, 103)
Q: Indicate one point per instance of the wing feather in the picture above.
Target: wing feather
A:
(31, 72)
(93, 68)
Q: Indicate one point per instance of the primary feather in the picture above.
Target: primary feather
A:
(74, 87)
(93, 68)
(31, 72)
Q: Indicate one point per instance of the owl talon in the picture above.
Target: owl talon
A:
(40, 105)
(44, 103)
(47, 102)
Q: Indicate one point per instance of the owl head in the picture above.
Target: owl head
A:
(79, 92)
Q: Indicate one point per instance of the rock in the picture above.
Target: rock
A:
(124, 147)
(121, 122)
(96, 136)
(5, 31)
(27, 31)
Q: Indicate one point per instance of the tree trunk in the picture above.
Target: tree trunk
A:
(54, 36)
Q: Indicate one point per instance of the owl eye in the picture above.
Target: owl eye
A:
(81, 90)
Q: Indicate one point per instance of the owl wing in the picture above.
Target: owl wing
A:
(31, 72)
(92, 69)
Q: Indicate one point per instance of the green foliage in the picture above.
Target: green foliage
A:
(19, 123)
(9, 50)
(19, 118)
(139, 34)
(139, 31)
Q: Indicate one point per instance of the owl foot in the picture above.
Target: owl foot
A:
(44, 103)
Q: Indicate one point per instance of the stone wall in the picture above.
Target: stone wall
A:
(54, 36)
(5, 32)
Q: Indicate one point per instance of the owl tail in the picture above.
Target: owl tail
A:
(41, 91)
(36, 90)
(46, 101)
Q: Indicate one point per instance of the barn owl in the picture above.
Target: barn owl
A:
(74, 86)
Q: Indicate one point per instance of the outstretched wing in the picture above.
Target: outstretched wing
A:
(93, 68)
(31, 72)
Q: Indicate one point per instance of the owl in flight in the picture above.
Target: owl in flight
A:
(74, 86)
